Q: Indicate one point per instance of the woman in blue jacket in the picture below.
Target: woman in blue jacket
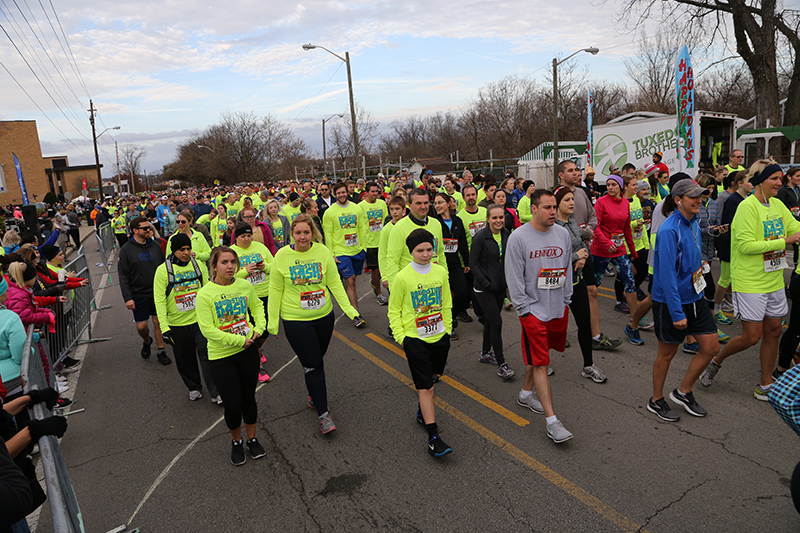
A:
(679, 264)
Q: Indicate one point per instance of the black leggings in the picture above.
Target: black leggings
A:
(236, 377)
(310, 339)
(458, 285)
(640, 264)
(580, 312)
(791, 336)
(492, 305)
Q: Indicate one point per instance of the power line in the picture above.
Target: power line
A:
(70, 63)
(42, 110)
(66, 41)
(29, 47)
(52, 62)
(315, 96)
(42, 84)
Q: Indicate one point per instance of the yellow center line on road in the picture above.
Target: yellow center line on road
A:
(592, 502)
(481, 399)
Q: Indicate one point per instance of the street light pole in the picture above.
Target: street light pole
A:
(346, 60)
(556, 63)
(96, 156)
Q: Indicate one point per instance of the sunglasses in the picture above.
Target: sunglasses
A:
(183, 222)
(146, 228)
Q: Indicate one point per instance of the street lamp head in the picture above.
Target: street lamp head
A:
(309, 46)
(115, 128)
(592, 50)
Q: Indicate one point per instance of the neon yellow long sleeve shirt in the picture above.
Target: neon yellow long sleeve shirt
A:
(383, 245)
(178, 307)
(345, 228)
(756, 232)
(375, 214)
(223, 319)
(255, 253)
(218, 228)
(301, 285)
(397, 254)
(420, 305)
(524, 209)
(199, 246)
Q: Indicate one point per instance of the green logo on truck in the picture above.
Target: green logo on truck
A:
(609, 151)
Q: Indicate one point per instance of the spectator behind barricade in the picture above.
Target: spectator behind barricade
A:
(311, 208)
(11, 241)
(278, 224)
(12, 342)
(261, 232)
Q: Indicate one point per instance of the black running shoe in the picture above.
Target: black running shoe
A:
(688, 402)
(146, 348)
(237, 453)
(464, 317)
(163, 358)
(420, 418)
(257, 451)
(662, 409)
(437, 447)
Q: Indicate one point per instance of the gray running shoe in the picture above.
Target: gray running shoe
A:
(662, 409)
(359, 322)
(604, 343)
(708, 375)
(558, 432)
(195, 395)
(487, 358)
(326, 425)
(382, 300)
(531, 402)
(550, 371)
(505, 371)
(593, 373)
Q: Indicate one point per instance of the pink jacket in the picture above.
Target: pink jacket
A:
(21, 302)
(269, 242)
(613, 217)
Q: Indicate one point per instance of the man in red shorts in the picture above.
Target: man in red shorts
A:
(539, 275)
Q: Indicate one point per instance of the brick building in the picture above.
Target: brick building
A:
(41, 175)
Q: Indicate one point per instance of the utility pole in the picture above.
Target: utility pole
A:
(353, 114)
(119, 183)
(96, 156)
(555, 122)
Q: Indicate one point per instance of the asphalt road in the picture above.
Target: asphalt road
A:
(143, 455)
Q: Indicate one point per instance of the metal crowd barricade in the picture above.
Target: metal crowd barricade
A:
(74, 317)
(106, 242)
(64, 506)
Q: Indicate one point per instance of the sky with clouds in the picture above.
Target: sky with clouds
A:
(164, 70)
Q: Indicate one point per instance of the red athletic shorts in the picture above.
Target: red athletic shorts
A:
(538, 338)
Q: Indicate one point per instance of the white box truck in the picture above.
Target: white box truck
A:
(635, 137)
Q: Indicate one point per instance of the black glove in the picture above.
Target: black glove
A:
(48, 395)
(54, 425)
(167, 336)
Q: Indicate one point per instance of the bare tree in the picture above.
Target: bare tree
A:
(130, 161)
(757, 25)
(652, 71)
(340, 136)
(242, 147)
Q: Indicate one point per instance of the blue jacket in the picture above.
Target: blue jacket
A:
(677, 257)
(160, 210)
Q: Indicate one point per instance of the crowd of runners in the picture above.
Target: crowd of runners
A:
(213, 272)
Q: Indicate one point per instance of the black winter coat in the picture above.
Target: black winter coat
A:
(486, 262)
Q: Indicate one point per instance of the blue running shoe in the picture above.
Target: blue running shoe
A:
(633, 336)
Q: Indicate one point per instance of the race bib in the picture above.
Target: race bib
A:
(351, 239)
(475, 227)
(312, 300)
(773, 261)
(450, 246)
(638, 232)
(237, 328)
(698, 281)
(375, 225)
(185, 302)
(430, 325)
(552, 278)
(706, 267)
(257, 277)
(618, 239)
